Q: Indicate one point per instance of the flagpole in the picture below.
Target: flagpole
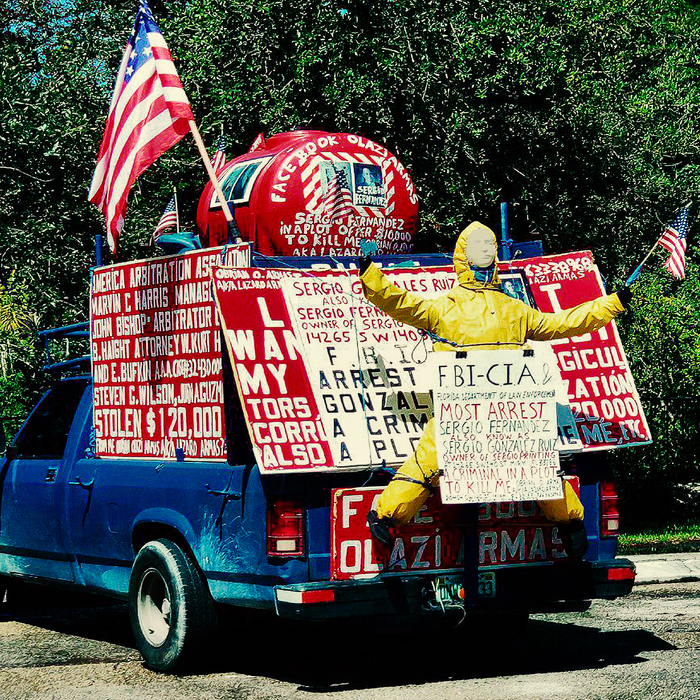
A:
(633, 277)
(214, 180)
(177, 213)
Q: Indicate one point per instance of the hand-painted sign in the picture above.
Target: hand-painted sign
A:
(495, 427)
(512, 534)
(312, 193)
(365, 369)
(156, 357)
(279, 406)
(601, 389)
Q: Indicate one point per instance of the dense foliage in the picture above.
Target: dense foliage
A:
(583, 114)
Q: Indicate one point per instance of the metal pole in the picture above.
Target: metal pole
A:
(506, 241)
(471, 555)
(177, 211)
(98, 249)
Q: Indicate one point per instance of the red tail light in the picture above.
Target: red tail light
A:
(620, 574)
(285, 528)
(609, 513)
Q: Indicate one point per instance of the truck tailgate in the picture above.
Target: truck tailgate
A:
(510, 534)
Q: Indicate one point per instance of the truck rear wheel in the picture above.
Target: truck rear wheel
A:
(171, 610)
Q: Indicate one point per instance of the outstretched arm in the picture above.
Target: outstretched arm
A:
(401, 305)
(584, 318)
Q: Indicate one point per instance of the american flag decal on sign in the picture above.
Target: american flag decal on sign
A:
(148, 115)
(337, 200)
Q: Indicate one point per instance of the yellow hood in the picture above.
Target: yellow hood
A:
(464, 273)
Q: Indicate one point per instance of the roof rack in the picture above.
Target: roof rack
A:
(75, 330)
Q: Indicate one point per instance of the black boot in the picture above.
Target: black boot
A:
(380, 528)
(573, 537)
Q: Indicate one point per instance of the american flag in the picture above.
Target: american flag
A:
(219, 160)
(337, 199)
(168, 219)
(674, 240)
(149, 114)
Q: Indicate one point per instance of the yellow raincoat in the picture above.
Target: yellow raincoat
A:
(476, 316)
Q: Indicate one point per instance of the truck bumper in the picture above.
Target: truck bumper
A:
(518, 589)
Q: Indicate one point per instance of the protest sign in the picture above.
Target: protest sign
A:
(271, 375)
(365, 369)
(600, 386)
(495, 427)
(513, 534)
(156, 357)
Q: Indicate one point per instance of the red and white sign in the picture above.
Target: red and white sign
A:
(509, 534)
(601, 389)
(271, 375)
(156, 357)
(311, 193)
(365, 368)
(330, 382)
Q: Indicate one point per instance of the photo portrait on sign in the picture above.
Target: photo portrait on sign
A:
(369, 185)
(514, 284)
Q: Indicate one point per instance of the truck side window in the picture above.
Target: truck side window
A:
(46, 432)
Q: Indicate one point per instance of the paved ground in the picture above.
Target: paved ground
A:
(666, 568)
(644, 646)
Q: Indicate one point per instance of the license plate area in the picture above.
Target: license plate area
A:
(451, 588)
(486, 586)
(510, 534)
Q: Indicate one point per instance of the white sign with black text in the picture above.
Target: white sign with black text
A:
(496, 426)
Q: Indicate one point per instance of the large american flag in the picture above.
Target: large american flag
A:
(149, 114)
(674, 240)
(337, 199)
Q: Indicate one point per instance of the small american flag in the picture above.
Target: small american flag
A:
(148, 115)
(674, 240)
(337, 201)
(219, 160)
(259, 144)
(168, 219)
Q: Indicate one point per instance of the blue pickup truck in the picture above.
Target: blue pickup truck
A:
(178, 538)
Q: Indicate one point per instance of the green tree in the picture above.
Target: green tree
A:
(583, 114)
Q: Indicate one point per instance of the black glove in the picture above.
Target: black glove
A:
(624, 294)
(380, 528)
(573, 537)
(363, 263)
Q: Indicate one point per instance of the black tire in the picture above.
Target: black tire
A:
(171, 610)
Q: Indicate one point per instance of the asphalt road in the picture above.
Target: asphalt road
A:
(644, 646)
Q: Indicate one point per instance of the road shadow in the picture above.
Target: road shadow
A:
(69, 612)
(327, 657)
(340, 656)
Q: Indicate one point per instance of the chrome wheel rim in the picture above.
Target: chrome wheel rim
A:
(154, 607)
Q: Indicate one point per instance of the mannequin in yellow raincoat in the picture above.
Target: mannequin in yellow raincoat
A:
(475, 315)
